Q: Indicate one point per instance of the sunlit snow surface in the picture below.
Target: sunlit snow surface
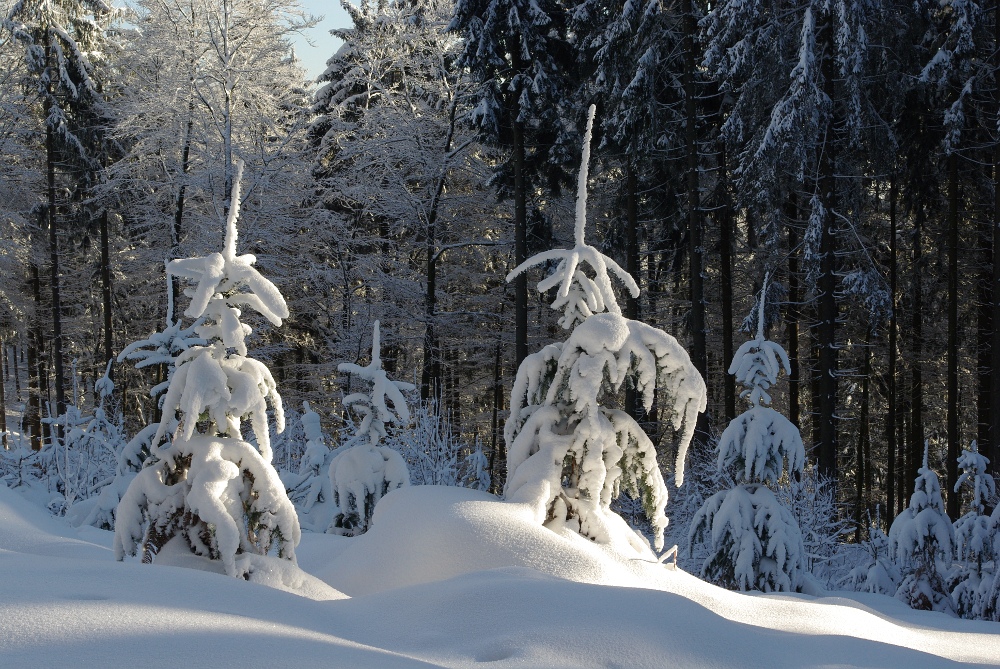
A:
(446, 577)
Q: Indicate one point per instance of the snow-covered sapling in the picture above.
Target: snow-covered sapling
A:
(976, 539)
(569, 456)
(753, 540)
(922, 539)
(363, 472)
(207, 488)
(310, 488)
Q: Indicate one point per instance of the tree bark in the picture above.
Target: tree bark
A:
(914, 454)
(520, 246)
(726, 281)
(890, 420)
(792, 314)
(57, 343)
(696, 323)
(953, 505)
(3, 399)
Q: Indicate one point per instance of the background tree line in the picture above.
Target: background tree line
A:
(849, 148)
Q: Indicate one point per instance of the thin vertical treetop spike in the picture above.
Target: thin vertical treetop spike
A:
(760, 313)
(234, 213)
(581, 188)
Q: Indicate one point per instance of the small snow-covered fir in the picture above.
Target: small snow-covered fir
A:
(363, 472)
(568, 455)
(753, 540)
(211, 490)
(922, 539)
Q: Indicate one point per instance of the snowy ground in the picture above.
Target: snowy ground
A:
(446, 578)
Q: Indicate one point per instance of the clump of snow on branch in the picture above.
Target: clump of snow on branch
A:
(568, 455)
(363, 471)
(753, 540)
(211, 489)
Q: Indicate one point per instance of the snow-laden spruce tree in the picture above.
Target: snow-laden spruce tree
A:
(363, 472)
(569, 456)
(922, 539)
(207, 489)
(753, 540)
(976, 540)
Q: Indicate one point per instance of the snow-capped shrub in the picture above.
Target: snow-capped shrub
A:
(922, 540)
(438, 456)
(83, 459)
(753, 540)
(977, 541)
(878, 572)
(362, 472)
(568, 455)
(812, 500)
(210, 489)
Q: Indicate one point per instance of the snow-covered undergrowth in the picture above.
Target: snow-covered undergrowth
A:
(446, 577)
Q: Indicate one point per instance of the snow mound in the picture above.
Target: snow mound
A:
(423, 534)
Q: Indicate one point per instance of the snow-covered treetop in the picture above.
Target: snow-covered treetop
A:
(104, 386)
(217, 380)
(219, 278)
(580, 296)
(758, 362)
(973, 465)
(372, 406)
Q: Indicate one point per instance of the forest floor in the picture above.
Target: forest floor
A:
(447, 577)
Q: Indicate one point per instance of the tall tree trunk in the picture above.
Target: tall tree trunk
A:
(498, 455)
(520, 246)
(3, 399)
(699, 348)
(57, 343)
(632, 405)
(890, 419)
(106, 290)
(827, 309)
(863, 473)
(914, 453)
(726, 279)
(954, 447)
(792, 314)
(993, 450)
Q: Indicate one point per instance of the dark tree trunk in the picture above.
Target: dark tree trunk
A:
(632, 405)
(890, 419)
(726, 279)
(954, 447)
(914, 453)
(992, 450)
(863, 474)
(498, 455)
(3, 398)
(520, 247)
(699, 349)
(792, 315)
(106, 290)
(57, 343)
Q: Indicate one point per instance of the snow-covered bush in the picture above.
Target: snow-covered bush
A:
(812, 500)
(922, 540)
(362, 472)
(753, 540)
(976, 540)
(878, 572)
(83, 459)
(207, 489)
(436, 455)
(568, 455)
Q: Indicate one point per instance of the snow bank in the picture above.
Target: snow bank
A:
(468, 580)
